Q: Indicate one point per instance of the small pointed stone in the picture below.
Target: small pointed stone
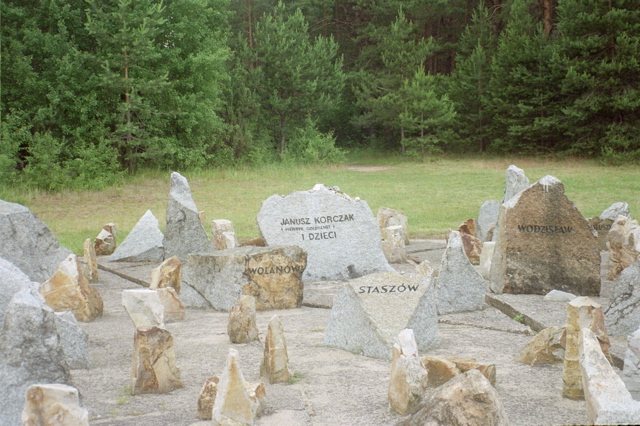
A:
(154, 367)
(144, 307)
(105, 242)
(546, 347)
(168, 274)
(408, 379)
(393, 245)
(275, 362)
(223, 235)
(242, 326)
(425, 269)
(90, 261)
(207, 398)
(173, 306)
(54, 404)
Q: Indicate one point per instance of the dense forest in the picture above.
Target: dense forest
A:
(92, 89)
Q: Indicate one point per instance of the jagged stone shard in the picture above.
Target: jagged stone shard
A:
(28, 243)
(614, 210)
(516, 182)
(207, 398)
(485, 259)
(631, 371)
(389, 217)
(544, 243)
(273, 275)
(441, 369)
(459, 287)
(13, 280)
(144, 307)
(242, 326)
(223, 235)
(105, 243)
(184, 233)
(275, 361)
(370, 311)
(582, 312)
(623, 241)
(173, 307)
(143, 244)
(53, 404)
(466, 399)
(546, 347)
(154, 367)
(339, 234)
(393, 244)
(90, 261)
(408, 378)
(487, 217)
(168, 274)
(622, 316)
(68, 290)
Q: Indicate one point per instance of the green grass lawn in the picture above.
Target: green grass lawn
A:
(436, 195)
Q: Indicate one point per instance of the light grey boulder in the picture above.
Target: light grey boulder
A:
(615, 210)
(459, 286)
(559, 296)
(12, 280)
(339, 233)
(487, 218)
(74, 340)
(30, 352)
(622, 316)
(143, 244)
(631, 371)
(28, 243)
(517, 181)
(184, 233)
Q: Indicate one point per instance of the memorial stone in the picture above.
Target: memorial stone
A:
(12, 281)
(485, 259)
(143, 244)
(623, 241)
(615, 210)
(339, 233)
(105, 243)
(207, 398)
(242, 326)
(74, 340)
(28, 243)
(546, 347)
(154, 367)
(441, 369)
(487, 217)
(143, 307)
(173, 306)
(275, 360)
(168, 274)
(631, 371)
(408, 378)
(393, 244)
(603, 223)
(545, 243)
(459, 287)
(53, 404)
(370, 311)
(622, 316)
(389, 217)
(471, 244)
(184, 233)
(270, 274)
(90, 261)
(223, 234)
(517, 182)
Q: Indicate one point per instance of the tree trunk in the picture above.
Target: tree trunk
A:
(282, 141)
(402, 139)
(128, 136)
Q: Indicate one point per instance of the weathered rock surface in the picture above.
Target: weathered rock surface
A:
(559, 296)
(207, 398)
(339, 234)
(105, 242)
(602, 228)
(389, 217)
(30, 352)
(487, 217)
(28, 243)
(12, 281)
(154, 367)
(467, 399)
(485, 259)
(144, 307)
(275, 360)
(545, 243)
(408, 378)
(143, 244)
(54, 404)
(471, 244)
(223, 235)
(74, 340)
(441, 369)
(608, 400)
(631, 372)
(184, 233)
(614, 210)
(424, 269)
(68, 290)
(270, 274)
(459, 287)
(167, 274)
(546, 347)
(582, 312)
(234, 403)
(393, 244)
(623, 241)
(90, 261)
(242, 326)
(622, 316)
(173, 306)
(516, 182)
(370, 311)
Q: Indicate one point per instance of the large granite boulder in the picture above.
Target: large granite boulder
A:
(143, 244)
(622, 316)
(273, 275)
(339, 233)
(28, 243)
(544, 243)
(370, 311)
(184, 233)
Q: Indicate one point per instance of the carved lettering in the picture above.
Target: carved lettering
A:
(386, 289)
(276, 270)
(545, 229)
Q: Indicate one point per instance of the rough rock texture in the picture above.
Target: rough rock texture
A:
(167, 274)
(273, 275)
(393, 244)
(546, 347)
(545, 243)
(467, 399)
(408, 378)
(207, 398)
(459, 287)
(339, 234)
(30, 352)
(105, 243)
(370, 311)
(487, 217)
(275, 360)
(184, 233)
(74, 340)
(516, 182)
(389, 217)
(631, 371)
(143, 244)
(559, 296)
(602, 227)
(90, 261)
(154, 362)
(485, 259)
(12, 280)
(424, 269)
(223, 235)
(582, 312)
(28, 243)
(441, 369)
(608, 400)
(173, 306)
(622, 316)
(68, 290)
(472, 245)
(144, 307)
(54, 404)
(614, 210)
(623, 241)
(242, 326)
(234, 403)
